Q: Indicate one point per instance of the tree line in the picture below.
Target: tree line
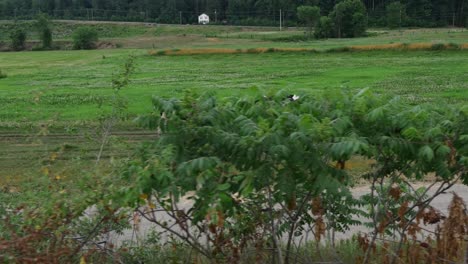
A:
(426, 13)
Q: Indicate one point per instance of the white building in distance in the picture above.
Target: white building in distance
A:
(203, 19)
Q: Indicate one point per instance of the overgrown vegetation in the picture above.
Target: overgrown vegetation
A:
(43, 26)
(2, 74)
(18, 38)
(262, 177)
(85, 38)
(281, 162)
(68, 225)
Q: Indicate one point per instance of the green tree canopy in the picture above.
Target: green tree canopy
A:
(349, 18)
(309, 15)
(395, 14)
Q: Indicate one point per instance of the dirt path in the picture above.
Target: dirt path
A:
(441, 203)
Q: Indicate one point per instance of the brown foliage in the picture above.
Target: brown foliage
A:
(451, 240)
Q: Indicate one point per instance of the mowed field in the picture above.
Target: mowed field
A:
(51, 100)
(70, 85)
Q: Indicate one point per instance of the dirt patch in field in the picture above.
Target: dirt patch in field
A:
(213, 39)
(106, 45)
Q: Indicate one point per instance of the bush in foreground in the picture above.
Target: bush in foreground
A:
(227, 178)
(257, 169)
(85, 38)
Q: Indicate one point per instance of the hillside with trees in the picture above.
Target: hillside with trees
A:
(422, 13)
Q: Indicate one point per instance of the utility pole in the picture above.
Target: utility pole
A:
(281, 20)
(453, 20)
(180, 17)
(216, 16)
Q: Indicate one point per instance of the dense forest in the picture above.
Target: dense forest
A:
(427, 13)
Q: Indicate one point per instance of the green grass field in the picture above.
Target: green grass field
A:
(68, 85)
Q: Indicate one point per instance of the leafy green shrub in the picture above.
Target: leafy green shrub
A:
(85, 38)
(242, 161)
(324, 28)
(44, 29)
(18, 39)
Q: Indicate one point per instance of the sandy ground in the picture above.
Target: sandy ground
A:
(144, 227)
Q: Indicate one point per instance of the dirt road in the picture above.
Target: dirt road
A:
(441, 203)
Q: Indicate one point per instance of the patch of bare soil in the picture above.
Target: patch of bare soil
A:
(106, 45)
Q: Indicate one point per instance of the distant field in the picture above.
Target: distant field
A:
(69, 85)
(155, 36)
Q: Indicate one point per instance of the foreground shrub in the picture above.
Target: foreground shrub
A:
(45, 225)
(18, 39)
(263, 178)
(252, 170)
(85, 38)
